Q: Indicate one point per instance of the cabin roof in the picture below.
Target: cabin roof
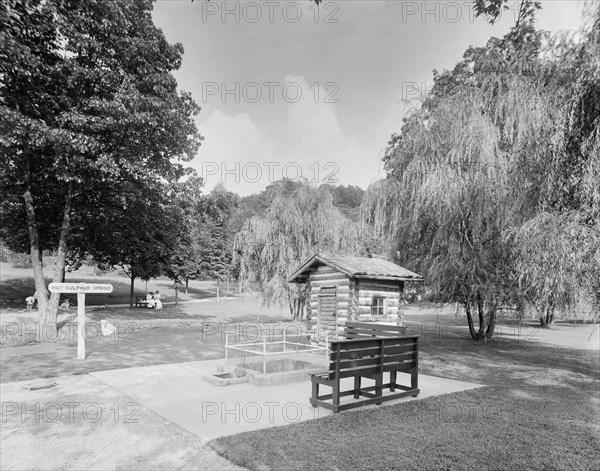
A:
(355, 267)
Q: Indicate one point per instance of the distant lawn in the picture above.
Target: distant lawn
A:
(18, 283)
(540, 411)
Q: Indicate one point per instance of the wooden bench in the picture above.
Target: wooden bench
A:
(140, 301)
(368, 358)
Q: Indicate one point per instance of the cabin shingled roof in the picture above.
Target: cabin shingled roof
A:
(356, 267)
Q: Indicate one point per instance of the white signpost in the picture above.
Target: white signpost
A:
(81, 289)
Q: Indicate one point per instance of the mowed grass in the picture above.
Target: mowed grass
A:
(541, 410)
(143, 337)
(18, 283)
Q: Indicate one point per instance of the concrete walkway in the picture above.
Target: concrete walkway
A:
(178, 393)
(79, 422)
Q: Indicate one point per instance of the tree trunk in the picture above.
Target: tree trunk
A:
(61, 258)
(550, 314)
(470, 320)
(131, 288)
(548, 317)
(489, 333)
(34, 245)
(176, 295)
(186, 285)
(480, 310)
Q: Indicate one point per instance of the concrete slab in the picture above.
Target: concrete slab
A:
(178, 393)
(80, 422)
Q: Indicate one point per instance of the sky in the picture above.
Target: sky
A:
(289, 89)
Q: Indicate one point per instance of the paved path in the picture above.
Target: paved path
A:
(154, 417)
(178, 393)
(80, 422)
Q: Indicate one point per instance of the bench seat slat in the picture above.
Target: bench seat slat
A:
(360, 333)
(390, 349)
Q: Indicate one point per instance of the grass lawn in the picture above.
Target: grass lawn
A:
(186, 332)
(540, 411)
(17, 283)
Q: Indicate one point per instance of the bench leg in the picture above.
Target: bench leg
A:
(335, 395)
(414, 379)
(357, 387)
(393, 380)
(379, 386)
(315, 391)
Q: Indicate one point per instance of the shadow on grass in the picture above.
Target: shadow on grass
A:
(15, 290)
(130, 346)
(169, 311)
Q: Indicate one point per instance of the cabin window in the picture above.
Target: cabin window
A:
(378, 306)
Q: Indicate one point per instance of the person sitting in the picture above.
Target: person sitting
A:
(150, 301)
(29, 300)
(157, 301)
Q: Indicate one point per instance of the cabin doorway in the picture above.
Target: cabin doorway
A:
(326, 324)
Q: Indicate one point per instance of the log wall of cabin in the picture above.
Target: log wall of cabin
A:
(390, 290)
(354, 298)
(326, 277)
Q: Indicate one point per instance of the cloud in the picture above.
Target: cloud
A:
(233, 146)
(319, 140)
(310, 144)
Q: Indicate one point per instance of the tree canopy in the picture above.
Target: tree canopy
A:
(490, 189)
(92, 123)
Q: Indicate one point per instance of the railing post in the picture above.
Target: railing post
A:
(264, 356)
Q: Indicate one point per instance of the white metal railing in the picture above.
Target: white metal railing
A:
(284, 342)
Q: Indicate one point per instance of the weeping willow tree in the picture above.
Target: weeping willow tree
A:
(558, 249)
(470, 165)
(299, 222)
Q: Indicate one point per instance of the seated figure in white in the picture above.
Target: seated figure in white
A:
(157, 301)
(150, 302)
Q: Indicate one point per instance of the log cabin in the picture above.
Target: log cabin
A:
(344, 288)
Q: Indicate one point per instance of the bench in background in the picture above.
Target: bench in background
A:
(140, 301)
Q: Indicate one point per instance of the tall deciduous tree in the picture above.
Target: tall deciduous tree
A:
(88, 104)
(203, 241)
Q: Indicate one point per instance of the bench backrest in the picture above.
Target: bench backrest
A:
(369, 356)
(358, 330)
